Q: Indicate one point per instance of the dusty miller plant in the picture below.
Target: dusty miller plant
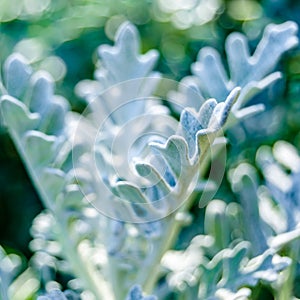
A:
(118, 181)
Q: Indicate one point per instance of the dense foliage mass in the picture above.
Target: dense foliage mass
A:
(150, 150)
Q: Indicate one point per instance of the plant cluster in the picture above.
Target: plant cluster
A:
(132, 187)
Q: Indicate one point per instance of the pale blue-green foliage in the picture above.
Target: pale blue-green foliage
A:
(125, 53)
(35, 118)
(16, 282)
(180, 155)
(274, 212)
(222, 225)
(49, 255)
(250, 72)
(227, 275)
(118, 64)
(121, 99)
(230, 273)
(9, 267)
(283, 188)
(36, 121)
(59, 295)
(271, 211)
(213, 266)
(244, 183)
(135, 293)
(42, 128)
(113, 94)
(173, 186)
(209, 120)
(193, 136)
(206, 124)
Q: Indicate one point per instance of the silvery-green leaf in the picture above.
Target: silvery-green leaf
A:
(287, 155)
(10, 264)
(17, 116)
(72, 198)
(210, 273)
(53, 295)
(52, 182)
(39, 148)
(238, 272)
(117, 238)
(194, 127)
(227, 273)
(182, 153)
(283, 187)
(242, 294)
(30, 119)
(148, 171)
(253, 88)
(209, 69)
(244, 182)
(284, 239)
(217, 223)
(175, 151)
(139, 202)
(136, 293)
(187, 95)
(54, 121)
(16, 75)
(272, 209)
(13, 283)
(244, 68)
(125, 53)
(124, 80)
(252, 73)
(42, 91)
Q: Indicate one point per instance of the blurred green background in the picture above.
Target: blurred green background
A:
(62, 36)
